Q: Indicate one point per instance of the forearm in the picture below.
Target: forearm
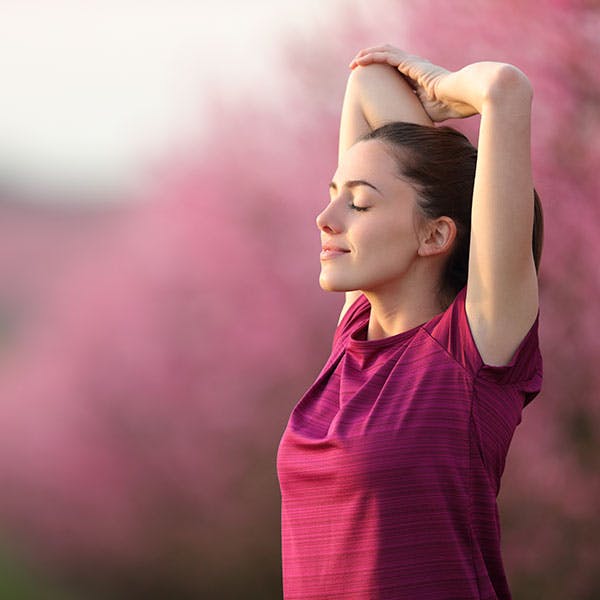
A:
(377, 94)
(385, 96)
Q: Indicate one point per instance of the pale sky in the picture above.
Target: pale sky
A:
(92, 89)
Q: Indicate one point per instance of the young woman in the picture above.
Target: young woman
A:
(390, 464)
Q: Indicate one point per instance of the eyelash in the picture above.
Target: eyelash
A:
(358, 208)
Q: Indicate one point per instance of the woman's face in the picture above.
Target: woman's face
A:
(369, 228)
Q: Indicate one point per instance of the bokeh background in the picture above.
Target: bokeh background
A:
(161, 165)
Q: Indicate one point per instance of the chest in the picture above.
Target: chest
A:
(412, 392)
(366, 422)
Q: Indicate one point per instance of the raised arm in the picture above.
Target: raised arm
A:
(502, 289)
(502, 294)
(375, 95)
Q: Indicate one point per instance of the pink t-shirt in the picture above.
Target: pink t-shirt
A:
(390, 464)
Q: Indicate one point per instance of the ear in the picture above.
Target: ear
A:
(437, 236)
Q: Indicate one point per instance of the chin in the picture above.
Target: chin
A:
(332, 286)
(332, 289)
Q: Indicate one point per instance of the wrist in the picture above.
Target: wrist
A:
(485, 84)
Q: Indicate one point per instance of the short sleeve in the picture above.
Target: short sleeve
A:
(525, 369)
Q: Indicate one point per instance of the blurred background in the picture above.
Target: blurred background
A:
(161, 165)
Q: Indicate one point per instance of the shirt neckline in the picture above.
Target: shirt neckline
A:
(355, 341)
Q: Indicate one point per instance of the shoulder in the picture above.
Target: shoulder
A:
(454, 331)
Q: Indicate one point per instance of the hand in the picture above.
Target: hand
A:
(431, 83)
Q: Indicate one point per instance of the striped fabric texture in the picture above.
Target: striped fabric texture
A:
(390, 464)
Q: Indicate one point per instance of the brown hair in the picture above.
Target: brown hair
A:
(440, 162)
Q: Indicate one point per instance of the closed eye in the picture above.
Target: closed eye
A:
(358, 208)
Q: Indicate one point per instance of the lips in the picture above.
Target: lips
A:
(330, 251)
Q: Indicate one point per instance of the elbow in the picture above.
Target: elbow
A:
(509, 82)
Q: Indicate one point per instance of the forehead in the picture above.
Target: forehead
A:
(369, 160)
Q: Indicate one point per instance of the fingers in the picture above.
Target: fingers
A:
(375, 57)
(384, 53)
(379, 48)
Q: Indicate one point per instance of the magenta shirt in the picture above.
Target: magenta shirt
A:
(390, 464)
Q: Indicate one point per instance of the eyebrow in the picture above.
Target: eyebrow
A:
(352, 184)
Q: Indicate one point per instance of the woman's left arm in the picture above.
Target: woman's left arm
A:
(502, 290)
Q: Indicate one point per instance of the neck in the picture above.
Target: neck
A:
(401, 308)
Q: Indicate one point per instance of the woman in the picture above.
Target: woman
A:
(390, 464)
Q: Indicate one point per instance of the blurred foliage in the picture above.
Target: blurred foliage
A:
(21, 582)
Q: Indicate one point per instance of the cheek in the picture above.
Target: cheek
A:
(393, 240)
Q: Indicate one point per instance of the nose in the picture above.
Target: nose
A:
(327, 220)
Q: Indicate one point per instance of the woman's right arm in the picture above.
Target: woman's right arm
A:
(376, 94)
